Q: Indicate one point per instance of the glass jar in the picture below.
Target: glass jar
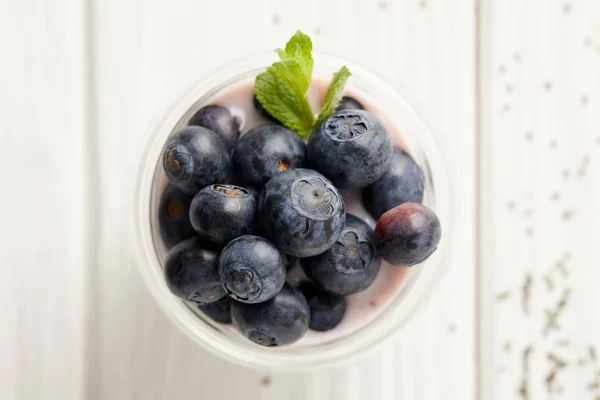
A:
(398, 111)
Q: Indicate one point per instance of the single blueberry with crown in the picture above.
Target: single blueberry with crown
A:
(252, 269)
(195, 157)
(191, 272)
(402, 183)
(276, 322)
(350, 265)
(174, 216)
(220, 213)
(351, 148)
(407, 234)
(219, 120)
(265, 151)
(302, 211)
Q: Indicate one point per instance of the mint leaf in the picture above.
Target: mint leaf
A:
(291, 73)
(334, 94)
(299, 48)
(282, 88)
(280, 95)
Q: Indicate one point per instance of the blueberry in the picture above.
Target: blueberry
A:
(350, 265)
(403, 183)
(219, 311)
(219, 120)
(348, 103)
(261, 227)
(276, 322)
(195, 157)
(174, 216)
(265, 151)
(407, 234)
(351, 148)
(191, 272)
(262, 112)
(220, 213)
(290, 262)
(252, 269)
(326, 309)
(302, 211)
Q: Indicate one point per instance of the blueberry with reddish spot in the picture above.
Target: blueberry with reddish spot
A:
(252, 269)
(174, 216)
(302, 212)
(402, 183)
(191, 272)
(219, 120)
(276, 322)
(349, 103)
(351, 148)
(219, 311)
(262, 112)
(220, 213)
(350, 265)
(195, 157)
(407, 234)
(326, 309)
(265, 151)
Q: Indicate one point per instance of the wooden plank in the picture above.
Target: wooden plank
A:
(145, 53)
(44, 209)
(539, 172)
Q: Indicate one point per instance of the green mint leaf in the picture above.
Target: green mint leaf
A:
(291, 73)
(282, 88)
(280, 95)
(334, 94)
(299, 48)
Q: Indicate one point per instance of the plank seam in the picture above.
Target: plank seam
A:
(90, 198)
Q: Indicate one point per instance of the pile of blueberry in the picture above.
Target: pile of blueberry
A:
(230, 249)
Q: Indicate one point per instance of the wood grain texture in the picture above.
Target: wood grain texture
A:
(145, 52)
(43, 230)
(539, 190)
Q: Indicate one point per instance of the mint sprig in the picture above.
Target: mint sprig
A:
(299, 48)
(334, 93)
(283, 98)
(282, 88)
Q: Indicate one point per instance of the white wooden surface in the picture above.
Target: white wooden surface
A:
(81, 81)
(43, 234)
(540, 199)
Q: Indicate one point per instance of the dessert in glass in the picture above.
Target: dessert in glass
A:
(289, 214)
